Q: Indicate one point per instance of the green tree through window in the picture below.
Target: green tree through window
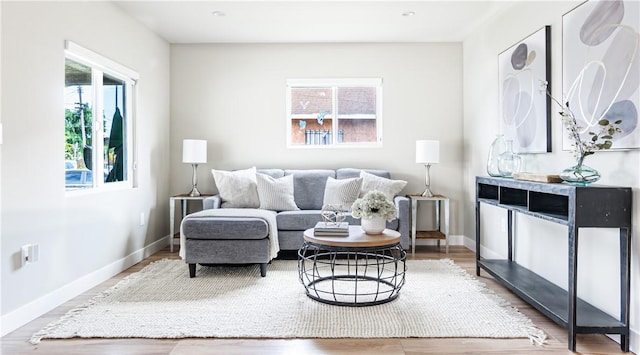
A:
(97, 120)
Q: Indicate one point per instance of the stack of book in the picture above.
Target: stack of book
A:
(331, 229)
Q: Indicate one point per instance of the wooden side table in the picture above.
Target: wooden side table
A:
(441, 231)
(184, 199)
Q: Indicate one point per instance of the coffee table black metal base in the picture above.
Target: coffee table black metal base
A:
(352, 276)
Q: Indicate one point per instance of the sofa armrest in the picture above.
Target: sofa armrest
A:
(404, 223)
(212, 202)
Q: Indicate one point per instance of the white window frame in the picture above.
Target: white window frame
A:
(335, 116)
(99, 66)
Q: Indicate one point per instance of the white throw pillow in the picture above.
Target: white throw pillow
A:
(238, 189)
(276, 194)
(390, 188)
(341, 192)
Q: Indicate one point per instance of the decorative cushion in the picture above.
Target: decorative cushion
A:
(238, 189)
(341, 193)
(276, 194)
(390, 188)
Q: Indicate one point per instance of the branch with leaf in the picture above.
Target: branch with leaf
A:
(600, 140)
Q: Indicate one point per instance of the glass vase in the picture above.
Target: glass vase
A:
(509, 162)
(498, 147)
(580, 174)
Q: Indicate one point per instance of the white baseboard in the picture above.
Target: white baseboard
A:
(634, 341)
(470, 243)
(486, 253)
(36, 308)
(453, 240)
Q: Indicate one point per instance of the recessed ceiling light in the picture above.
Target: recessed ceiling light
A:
(218, 14)
(408, 13)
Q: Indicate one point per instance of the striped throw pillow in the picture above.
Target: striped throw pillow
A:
(276, 194)
(341, 192)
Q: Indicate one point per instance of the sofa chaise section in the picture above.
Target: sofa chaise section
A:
(225, 240)
(215, 240)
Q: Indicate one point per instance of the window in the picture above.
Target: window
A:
(334, 112)
(98, 101)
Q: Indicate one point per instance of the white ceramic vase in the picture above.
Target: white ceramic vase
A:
(373, 225)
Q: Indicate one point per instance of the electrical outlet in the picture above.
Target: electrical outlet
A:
(142, 221)
(30, 253)
(25, 255)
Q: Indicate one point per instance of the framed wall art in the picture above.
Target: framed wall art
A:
(601, 68)
(525, 109)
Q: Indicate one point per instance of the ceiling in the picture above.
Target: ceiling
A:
(305, 21)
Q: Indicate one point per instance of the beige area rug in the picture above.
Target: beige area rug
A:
(439, 299)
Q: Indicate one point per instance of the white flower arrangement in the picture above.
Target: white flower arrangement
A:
(374, 203)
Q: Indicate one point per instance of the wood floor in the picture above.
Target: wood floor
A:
(17, 341)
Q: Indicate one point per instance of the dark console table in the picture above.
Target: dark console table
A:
(575, 207)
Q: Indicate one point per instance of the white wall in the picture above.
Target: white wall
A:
(79, 236)
(542, 246)
(233, 95)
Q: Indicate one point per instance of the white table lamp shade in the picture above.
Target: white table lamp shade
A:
(427, 152)
(194, 151)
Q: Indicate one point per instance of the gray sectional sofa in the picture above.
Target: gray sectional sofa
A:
(241, 239)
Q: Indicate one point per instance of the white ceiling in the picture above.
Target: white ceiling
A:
(305, 21)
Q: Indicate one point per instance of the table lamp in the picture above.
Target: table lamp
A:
(427, 153)
(194, 151)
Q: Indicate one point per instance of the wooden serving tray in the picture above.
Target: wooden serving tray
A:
(537, 177)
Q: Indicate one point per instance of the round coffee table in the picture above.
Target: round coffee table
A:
(355, 270)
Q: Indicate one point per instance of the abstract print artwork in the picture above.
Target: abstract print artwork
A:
(601, 67)
(524, 108)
